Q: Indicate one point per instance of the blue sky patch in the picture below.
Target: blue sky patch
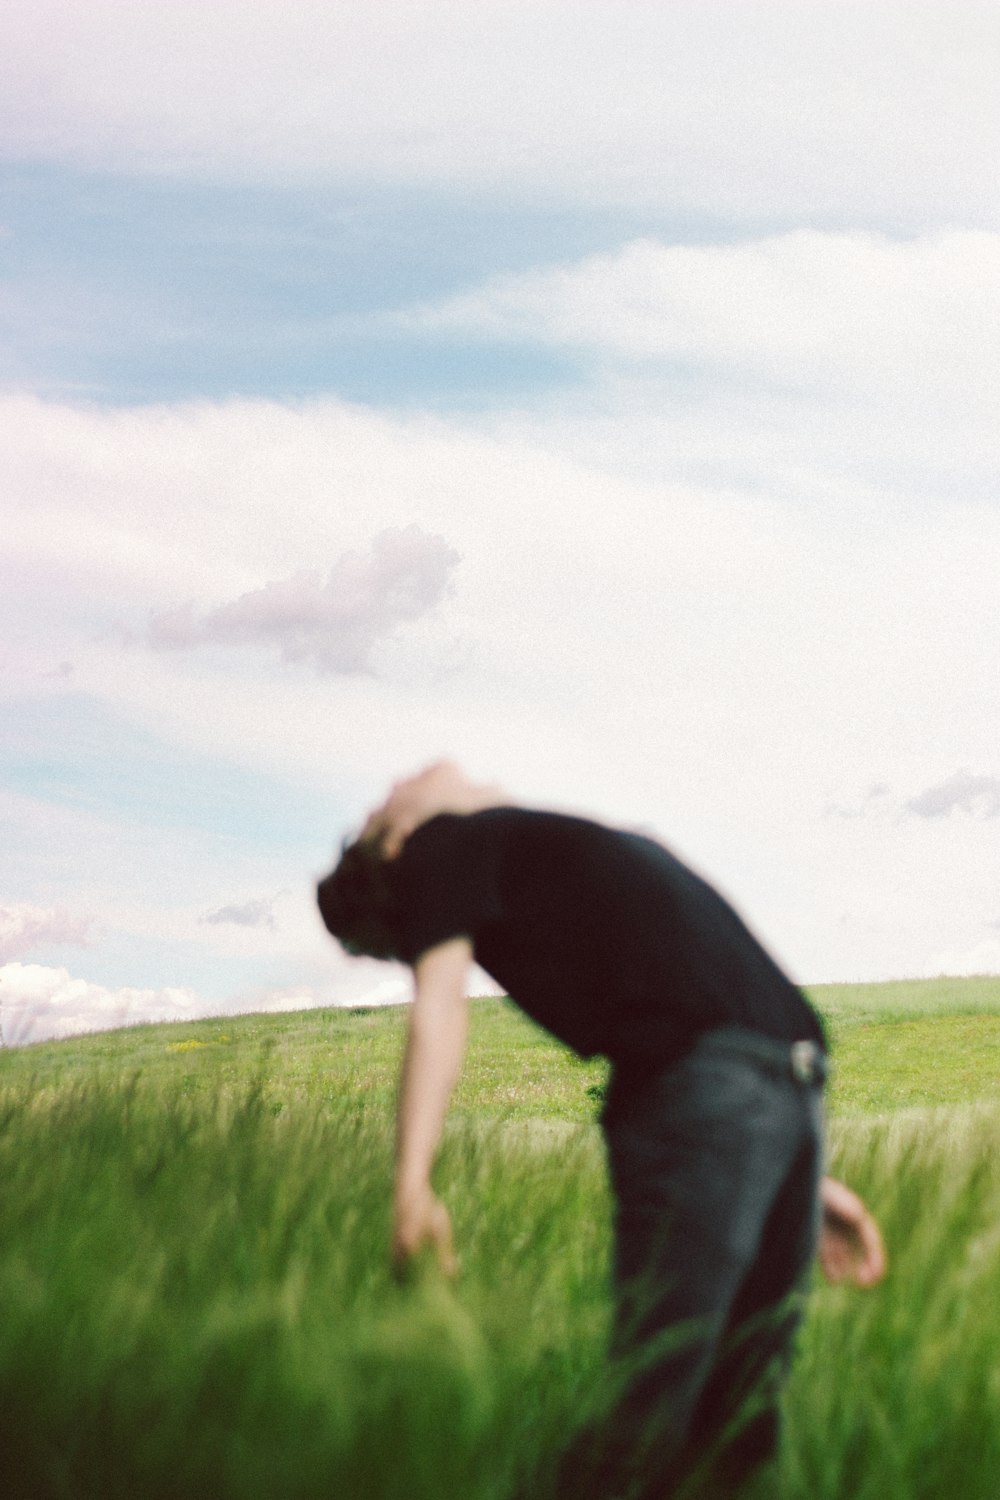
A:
(75, 752)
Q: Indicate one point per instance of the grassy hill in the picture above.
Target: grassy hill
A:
(896, 1044)
(196, 1299)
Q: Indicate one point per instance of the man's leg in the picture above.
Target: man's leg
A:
(699, 1158)
(755, 1351)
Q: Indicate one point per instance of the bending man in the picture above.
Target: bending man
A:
(713, 1115)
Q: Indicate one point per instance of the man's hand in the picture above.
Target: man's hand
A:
(850, 1244)
(441, 788)
(420, 1219)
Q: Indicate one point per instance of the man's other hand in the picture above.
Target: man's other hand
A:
(440, 788)
(420, 1221)
(850, 1243)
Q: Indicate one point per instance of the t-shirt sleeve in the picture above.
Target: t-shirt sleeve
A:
(447, 883)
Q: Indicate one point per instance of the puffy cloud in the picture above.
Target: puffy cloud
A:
(250, 914)
(874, 801)
(979, 796)
(862, 109)
(38, 1003)
(335, 623)
(24, 927)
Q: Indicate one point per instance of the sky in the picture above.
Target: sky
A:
(602, 394)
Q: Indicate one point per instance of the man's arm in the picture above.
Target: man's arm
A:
(440, 788)
(435, 1048)
(850, 1244)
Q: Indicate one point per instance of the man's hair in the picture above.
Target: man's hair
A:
(356, 901)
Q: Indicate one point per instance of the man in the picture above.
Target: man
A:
(712, 1120)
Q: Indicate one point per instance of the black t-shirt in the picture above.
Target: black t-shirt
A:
(602, 936)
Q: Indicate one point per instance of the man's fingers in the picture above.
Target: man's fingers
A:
(851, 1245)
(871, 1265)
(389, 828)
(404, 1262)
(444, 1245)
(394, 836)
(428, 1230)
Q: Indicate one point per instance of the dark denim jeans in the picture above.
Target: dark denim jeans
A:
(715, 1163)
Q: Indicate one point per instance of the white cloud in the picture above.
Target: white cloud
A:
(38, 1003)
(853, 315)
(860, 110)
(334, 623)
(24, 927)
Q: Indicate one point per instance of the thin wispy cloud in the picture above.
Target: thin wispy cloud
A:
(62, 673)
(258, 913)
(876, 800)
(768, 109)
(978, 796)
(847, 312)
(333, 623)
(966, 793)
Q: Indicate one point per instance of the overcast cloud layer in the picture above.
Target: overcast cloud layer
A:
(670, 496)
(807, 109)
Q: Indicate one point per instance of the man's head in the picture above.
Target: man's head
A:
(356, 901)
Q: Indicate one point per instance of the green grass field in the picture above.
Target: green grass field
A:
(195, 1299)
